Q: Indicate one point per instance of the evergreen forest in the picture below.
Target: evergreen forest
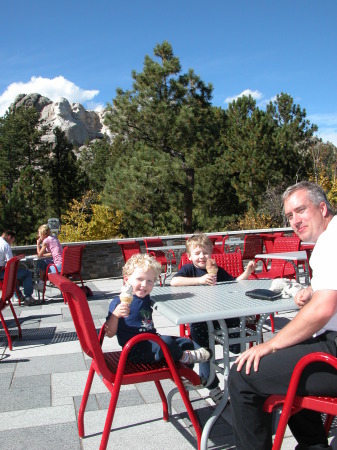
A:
(177, 164)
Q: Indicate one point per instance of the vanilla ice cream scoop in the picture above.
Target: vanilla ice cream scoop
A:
(126, 295)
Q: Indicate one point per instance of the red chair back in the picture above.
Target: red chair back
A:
(9, 281)
(268, 240)
(71, 265)
(231, 262)
(7, 292)
(129, 248)
(184, 260)
(155, 242)
(224, 247)
(253, 245)
(114, 367)
(285, 244)
(72, 260)
(291, 403)
(159, 255)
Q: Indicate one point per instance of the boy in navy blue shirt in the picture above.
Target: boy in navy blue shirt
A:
(128, 320)
(199, 248)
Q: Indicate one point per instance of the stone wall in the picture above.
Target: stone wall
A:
(103, 259)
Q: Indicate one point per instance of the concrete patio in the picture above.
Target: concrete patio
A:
(42, 381)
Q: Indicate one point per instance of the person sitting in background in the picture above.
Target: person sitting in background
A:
(24, 276)
(47, 245)
(199, 248)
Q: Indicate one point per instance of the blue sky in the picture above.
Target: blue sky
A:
(84, 49)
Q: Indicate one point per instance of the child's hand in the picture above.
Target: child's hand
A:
(122, 310)
(207, 279)
(251, 266)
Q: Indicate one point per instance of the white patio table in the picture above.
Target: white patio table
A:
(190, 304)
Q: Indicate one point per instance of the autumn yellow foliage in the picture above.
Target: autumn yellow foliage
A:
(88, 220)
(254, 221)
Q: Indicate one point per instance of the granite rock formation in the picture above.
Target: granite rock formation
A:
(80, 126)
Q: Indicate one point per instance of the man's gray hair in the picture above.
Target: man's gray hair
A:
(315, 193)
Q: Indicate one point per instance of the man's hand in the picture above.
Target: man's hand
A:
(253, 356)
(303, 296)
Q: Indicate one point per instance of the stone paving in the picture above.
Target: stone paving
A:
(42, 381)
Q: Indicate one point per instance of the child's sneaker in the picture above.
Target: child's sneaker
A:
(200, 355)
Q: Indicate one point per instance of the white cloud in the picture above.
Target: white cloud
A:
(255, 94)
(266, 102)
(49, 87)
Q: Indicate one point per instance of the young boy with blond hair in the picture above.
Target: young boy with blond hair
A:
(126, 320)
(199, 249)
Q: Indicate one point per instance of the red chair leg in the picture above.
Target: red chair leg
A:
(164, 401)
(16, 319)
(6, 331)
(272, 323)
(110, 415)
(84, 401)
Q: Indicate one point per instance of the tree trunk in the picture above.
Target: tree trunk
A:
(188, 200)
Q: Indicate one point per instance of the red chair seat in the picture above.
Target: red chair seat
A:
(129, 248)
(279, 267)
(291, 403)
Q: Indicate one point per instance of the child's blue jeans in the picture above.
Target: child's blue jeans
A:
(148, 351)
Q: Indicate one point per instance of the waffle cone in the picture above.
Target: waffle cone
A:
(126, 299)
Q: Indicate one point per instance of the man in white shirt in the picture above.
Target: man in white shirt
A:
(266, 369)
(24, 276)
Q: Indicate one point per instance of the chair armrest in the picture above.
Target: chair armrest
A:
(264, 263)
(194, 377)
(51, 265)
(101, 334)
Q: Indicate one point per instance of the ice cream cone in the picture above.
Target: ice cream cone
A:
(212, 268)
(126, 299)
(126, 295)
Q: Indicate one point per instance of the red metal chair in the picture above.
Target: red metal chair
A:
(71, 264)
(231, 262)
(224, 247)
(159, 255)
(129, 248)
(114, 368)
(184, 260)
(8, 288)
(279, 267)
(253, 245)
(268, 240)
(214, 240)
(292, 403)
